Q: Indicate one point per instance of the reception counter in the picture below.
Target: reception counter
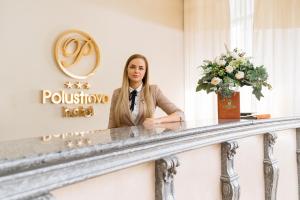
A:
(40, 168)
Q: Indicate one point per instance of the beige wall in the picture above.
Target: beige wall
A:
(129, 184)
(28, 30)
(198, 176)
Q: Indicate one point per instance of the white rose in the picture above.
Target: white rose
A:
(229, 69)
(239, 75)
(215, 81)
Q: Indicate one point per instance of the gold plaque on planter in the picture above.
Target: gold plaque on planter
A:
(77, 54)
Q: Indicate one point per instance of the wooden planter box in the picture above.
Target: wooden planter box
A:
(229, 108)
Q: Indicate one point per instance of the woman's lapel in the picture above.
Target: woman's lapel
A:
(129, 116)
(141, 107)
(141, 110)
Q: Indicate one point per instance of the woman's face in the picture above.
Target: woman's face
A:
(136, 70)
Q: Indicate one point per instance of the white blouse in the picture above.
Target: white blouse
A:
(135, 111)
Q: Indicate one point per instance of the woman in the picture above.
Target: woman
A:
(135, 102)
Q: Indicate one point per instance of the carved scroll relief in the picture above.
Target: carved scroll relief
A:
(229, 179)
(165, 170)
(271, 171)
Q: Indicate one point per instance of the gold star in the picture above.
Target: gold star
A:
(87, 85)
(81, 134)
(68, 84)
(79, 143)
(88, 141)
(46, 138)
(76, 133)
(69, 143)
(78, 85)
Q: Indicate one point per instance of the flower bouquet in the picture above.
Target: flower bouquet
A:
(230, 71)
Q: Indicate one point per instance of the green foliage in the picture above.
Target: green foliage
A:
(232, 70)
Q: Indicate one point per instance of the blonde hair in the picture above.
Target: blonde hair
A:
(123, 99)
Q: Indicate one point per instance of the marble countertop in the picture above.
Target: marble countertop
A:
(34, 166)
(106, 139)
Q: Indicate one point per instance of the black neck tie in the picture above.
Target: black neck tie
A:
(132, 99)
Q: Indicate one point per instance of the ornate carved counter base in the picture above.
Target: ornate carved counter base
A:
(271, 171)
(165, 169)
(229, 179)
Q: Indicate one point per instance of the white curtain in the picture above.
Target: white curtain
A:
(276, 44)
(206, 30)
(241, 34)
(241, 24)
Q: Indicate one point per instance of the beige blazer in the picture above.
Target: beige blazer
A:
(159, 100)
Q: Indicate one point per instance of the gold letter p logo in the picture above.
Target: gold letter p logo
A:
(77, 54)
